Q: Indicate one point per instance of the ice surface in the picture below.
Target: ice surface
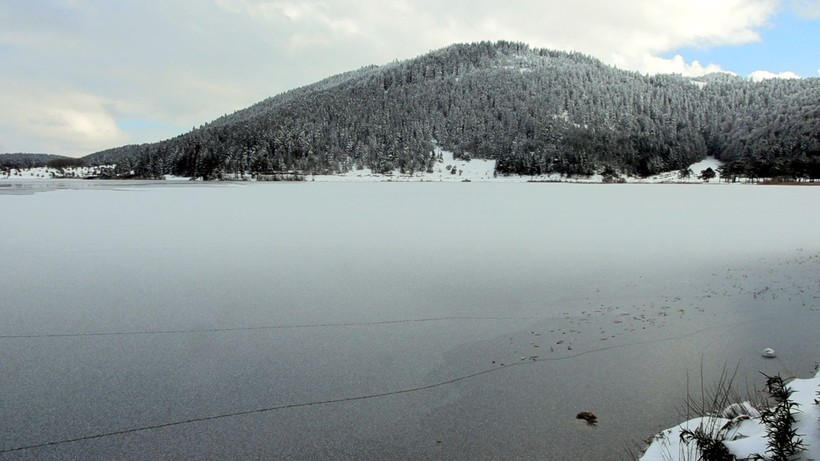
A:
(126, 304)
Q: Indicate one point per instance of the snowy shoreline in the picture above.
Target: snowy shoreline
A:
(745, 435)
(447, 169)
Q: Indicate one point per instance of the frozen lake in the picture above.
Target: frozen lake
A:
(388, 320)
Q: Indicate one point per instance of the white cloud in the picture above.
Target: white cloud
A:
(57, 119)
(677, 65)
(629, 33)
(760, 75)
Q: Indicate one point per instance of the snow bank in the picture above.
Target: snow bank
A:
(745, 437)
(170, 177)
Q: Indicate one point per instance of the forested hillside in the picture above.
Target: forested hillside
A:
(533, 110)
(21, 161)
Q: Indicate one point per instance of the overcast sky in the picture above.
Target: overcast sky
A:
(78, 76)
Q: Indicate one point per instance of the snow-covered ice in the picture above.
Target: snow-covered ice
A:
(277, 294)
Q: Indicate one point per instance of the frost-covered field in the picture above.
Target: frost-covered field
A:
(387, 321)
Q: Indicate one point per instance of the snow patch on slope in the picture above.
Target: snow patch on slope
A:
(708, 162)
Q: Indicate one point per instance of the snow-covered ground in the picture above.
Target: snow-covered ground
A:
(447, 169)
(745, 437)
(709, 162)
(51, 173)
(455, 170)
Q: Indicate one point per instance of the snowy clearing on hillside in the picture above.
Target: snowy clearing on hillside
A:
(448, 168)
(709, 162)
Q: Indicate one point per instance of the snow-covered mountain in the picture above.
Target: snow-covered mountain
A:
(532, 111)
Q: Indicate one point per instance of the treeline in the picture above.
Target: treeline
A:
(23, 161)
(783, 168)
(533, 110)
